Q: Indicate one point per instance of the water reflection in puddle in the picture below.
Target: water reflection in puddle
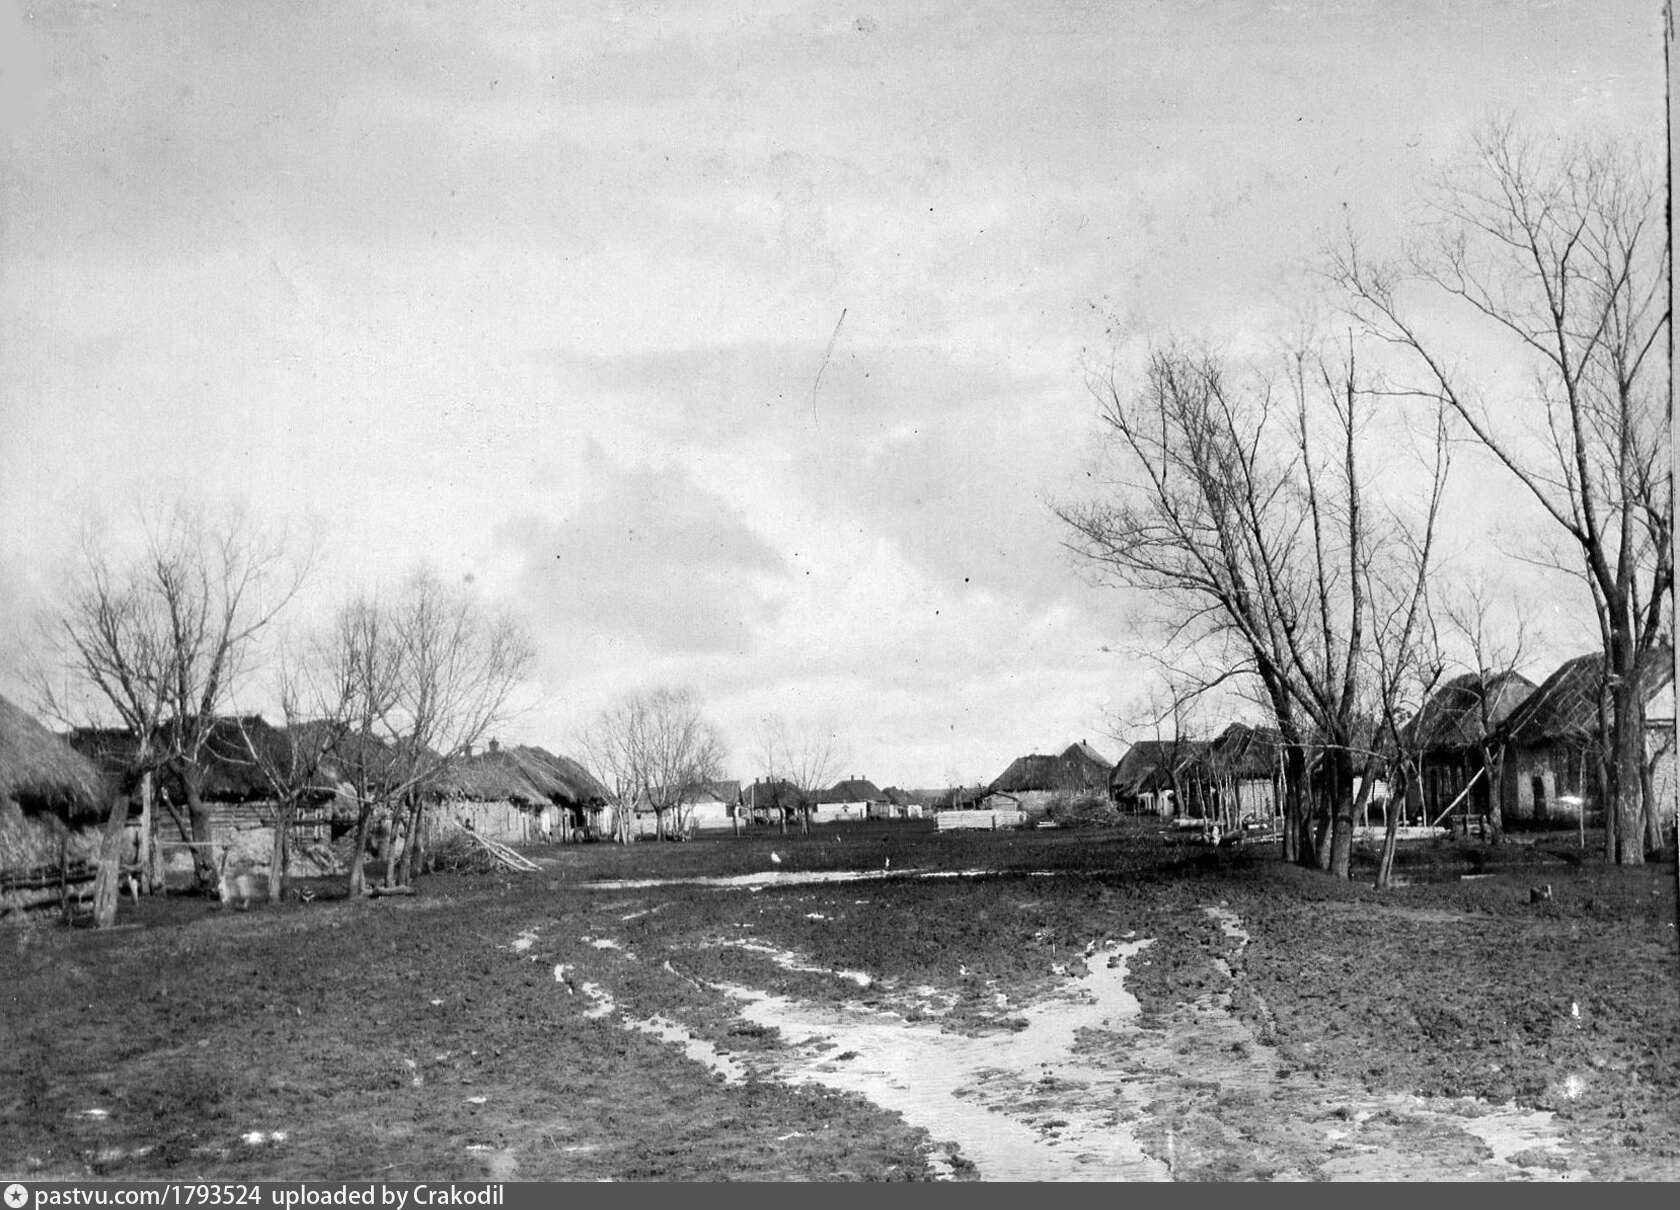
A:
(1022, 1106)
(1069, 1096)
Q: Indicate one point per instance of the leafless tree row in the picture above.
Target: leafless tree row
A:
(389, 696)
(1241, 502)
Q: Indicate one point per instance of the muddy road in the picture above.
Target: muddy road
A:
(1115, 1005)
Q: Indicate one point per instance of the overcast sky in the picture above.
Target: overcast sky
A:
(736, 347)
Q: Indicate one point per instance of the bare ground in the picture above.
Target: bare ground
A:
(1291, 1027)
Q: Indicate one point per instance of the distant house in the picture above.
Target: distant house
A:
(767, 801)
(1553, 742)
(950, 798)
(1243, 773)
(899, 804)
(1449, 734)
(522, 794)
(710, 807)
(849, 799)
(1031, 782)
(1150, 776)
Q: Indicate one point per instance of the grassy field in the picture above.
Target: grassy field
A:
(465, 1032)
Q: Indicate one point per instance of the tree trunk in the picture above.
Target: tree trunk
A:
(1627, 762)
(151, 852)
(1341, 820)
(283, 813)
(203, 839)
(107, 883)
(417, 841)
(1491, 773)
(1652, 810)
(358, 857)
(1294, 775)
(1391, 829)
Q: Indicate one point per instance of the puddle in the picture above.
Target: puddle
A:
(770, 878)
(791, 962)
(1021, 1106)
(666, 1030)
(1082, 1092)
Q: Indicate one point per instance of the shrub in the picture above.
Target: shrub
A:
(1084, 810)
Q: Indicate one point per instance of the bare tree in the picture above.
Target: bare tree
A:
(296, 763)
(807, 757)
(1405, 653)
(1168, 715)
(1241, 510)
(160, 642)
(655, 747)
(411, 684)
(1494, 649)
(1557, 254)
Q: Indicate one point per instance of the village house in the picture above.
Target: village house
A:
(239, 762)
(1031, 783)
(1456, 736)
(898, 804)
(1150, 776)
(521, 794)
(711, 807)
(52, 799)
(1241, 775)
(849, 799)
(1553, 743)
(772, 801)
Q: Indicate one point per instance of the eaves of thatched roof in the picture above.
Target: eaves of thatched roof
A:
(1245, 753)
(42, 773)
(1080, 767)
(523, 774)
(1150, 763)
(1564, 709)
(1453, 718)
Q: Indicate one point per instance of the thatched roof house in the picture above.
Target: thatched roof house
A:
(41, 773)
(1245, 753)
(238, 757)
(1466, 710)
(50, 798)
(1148, 767)
(1565, 706)
(1552, 738)
(524, 775)
(1079, 768)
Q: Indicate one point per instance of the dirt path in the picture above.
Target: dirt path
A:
(1082, 1091)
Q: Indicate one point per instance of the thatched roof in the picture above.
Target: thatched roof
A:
(1245, 753)
(40, 772)
(1452, 719)
(1080, 767)
(1149, 764)
(1564, 709)
(522, 774)
(232, 772)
